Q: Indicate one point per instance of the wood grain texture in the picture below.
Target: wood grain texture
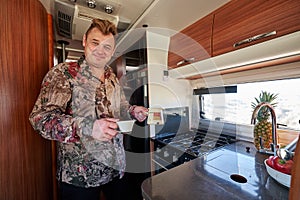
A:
(50, 40)
(286, 136)
(239, 20)
(192, 42)
(25, 167)
(266, 64)
(53, 143)
(295, 181)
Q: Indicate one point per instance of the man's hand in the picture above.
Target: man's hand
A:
(105, 129)
(140, 113)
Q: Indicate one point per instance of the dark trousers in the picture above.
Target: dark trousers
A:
(114, 190)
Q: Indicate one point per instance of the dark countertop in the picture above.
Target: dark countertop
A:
(209, 177)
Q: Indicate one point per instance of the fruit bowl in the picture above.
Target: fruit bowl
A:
(282, 178)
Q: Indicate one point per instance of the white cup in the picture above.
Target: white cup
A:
(125, 126)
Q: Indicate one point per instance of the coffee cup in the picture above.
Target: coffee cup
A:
(125, 126)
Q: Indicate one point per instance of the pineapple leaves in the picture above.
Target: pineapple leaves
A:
(267, 97)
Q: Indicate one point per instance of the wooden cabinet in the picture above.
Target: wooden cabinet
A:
(294, 193)
(248, 22)
(237, 24)
(191, 44)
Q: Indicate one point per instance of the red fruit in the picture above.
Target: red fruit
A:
(270, 161)
(289, 166)
(283, 166)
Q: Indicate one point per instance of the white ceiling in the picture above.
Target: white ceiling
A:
(177, 14)
(174, 15)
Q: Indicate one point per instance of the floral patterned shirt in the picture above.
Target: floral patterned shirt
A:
(70, 100)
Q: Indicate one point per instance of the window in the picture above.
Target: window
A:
(236, 107)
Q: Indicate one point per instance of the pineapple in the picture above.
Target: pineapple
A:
(263, 127)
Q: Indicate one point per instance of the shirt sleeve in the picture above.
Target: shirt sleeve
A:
(124, 105)
(49, 115)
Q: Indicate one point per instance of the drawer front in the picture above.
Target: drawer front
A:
(243, 23)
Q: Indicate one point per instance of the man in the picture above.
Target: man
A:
(78, 106)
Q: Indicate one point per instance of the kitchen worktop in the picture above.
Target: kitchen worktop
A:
(236, 171)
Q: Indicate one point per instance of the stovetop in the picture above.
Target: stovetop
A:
(195, 142)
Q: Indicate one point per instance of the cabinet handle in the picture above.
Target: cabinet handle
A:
(254, 38)
(185, 61)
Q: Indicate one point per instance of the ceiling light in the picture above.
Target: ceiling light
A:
(108, 9)
(91, 3)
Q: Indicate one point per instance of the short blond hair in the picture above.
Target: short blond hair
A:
(103, 25)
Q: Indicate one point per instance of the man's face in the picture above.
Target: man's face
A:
(98, 48)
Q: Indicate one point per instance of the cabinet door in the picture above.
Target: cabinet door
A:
(239, 20)
(192, 44)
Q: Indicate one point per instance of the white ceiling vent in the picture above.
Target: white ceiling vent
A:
(64, 14)
(83, 17)
(72, 20)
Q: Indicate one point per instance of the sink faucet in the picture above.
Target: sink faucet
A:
(274, 145)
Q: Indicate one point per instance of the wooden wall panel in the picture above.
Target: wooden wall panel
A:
(25, 157)
(295, 181)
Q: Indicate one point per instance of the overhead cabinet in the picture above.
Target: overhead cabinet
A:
(191, 44)
(237, 24)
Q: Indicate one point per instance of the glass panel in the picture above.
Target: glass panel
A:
(236, 107)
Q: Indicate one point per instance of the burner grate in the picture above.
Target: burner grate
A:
(196, 143)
